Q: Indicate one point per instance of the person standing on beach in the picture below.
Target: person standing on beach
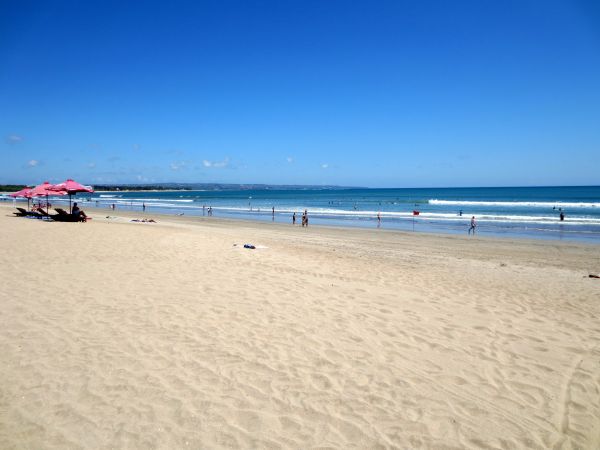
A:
(294, 219)
(144, 207)
(378, 219)
(473, 225)
(305, 218)
(273, 214)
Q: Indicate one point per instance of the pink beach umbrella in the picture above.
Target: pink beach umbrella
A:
(46, 189)
(26, 192)
(71, 188)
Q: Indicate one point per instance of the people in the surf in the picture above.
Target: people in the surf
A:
(562, 216)
(305, 218)
(473, 225)
(294, 219)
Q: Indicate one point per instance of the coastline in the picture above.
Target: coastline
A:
(264, 220)
(166, 334)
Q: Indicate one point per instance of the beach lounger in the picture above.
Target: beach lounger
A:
(64, 216)
(22, 212)
(44, 215)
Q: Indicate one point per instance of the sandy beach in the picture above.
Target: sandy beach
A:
(117, 334)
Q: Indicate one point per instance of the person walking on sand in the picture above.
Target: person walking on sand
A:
(473, 225)
(305, 218)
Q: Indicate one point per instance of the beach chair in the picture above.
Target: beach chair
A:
(64, 216)
(44, 215)
(22, 212)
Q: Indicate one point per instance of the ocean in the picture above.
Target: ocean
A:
(532, 212)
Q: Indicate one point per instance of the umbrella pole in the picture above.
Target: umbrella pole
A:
(70, 209)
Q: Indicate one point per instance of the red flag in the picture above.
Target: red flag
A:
(416, 213)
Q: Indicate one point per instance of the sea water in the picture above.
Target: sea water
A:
(508, 211)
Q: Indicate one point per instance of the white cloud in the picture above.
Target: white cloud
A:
(14, 139)
(290, 159)
(33, 163)
(91, 165)
(136, 147)
(324, 166)
(178, 165)
(216, 164)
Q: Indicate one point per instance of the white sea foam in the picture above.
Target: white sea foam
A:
(350, 214)
(513, 204)
(146, 200)
(433, 216)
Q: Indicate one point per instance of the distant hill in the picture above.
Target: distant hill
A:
(11, 187)
(213, 187)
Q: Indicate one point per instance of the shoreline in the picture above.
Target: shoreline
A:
(485, 235)
(459, 246)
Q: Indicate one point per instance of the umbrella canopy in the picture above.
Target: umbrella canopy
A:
(26, 192)
(71, 187)
(44, 189)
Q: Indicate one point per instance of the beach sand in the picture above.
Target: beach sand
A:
(171, 335)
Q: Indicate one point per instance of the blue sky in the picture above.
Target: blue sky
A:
(379, 94)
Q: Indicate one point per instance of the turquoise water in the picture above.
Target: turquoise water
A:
(522, 211)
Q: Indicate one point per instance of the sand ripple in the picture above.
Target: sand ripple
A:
(327, 339)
